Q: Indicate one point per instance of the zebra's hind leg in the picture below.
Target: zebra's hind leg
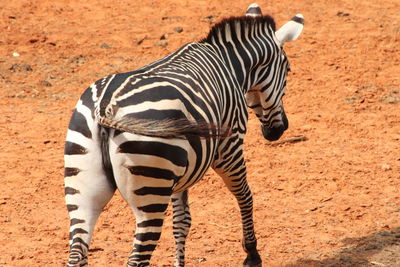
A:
(182, 222)
(148, 198)
(146, 169)
(85, 202)
(87, 190)
(149, 211)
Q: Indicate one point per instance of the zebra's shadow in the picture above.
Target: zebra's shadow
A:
(380, 249)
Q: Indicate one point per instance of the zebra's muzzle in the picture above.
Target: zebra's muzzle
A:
(273, 133)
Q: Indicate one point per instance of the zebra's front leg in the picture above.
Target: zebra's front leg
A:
(182, 222)
(233, 173)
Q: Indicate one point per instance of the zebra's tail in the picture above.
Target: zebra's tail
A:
(178, 128)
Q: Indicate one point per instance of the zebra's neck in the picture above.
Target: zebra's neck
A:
(244, 44)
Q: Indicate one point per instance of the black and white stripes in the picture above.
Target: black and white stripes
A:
(152, 133)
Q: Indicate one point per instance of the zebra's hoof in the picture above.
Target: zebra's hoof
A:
(252, 261)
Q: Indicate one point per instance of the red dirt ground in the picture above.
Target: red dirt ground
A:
(332, 200)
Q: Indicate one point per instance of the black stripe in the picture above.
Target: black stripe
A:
(101, 85)
(149, 223)
(175, 154)
(153, 208)
(298, 20)
(148, 236)
(142, 248)
(71, 207)
(159, 115)
(115, 83)
(71, 171)
(154, 94)
(74, 149)
(160, 191)
(140, 258)
(80, 243)
(87, 99)
(77, 231)
(76, 221)
(152, 172)
(117, 132)
(79, 124)
(70, 191)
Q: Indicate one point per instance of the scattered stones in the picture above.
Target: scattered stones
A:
(178, 29)
(392, 97)
(201, 259)
(105, 46)
(20, 94)
(36, 39)
(371, 247)
(20, 67)
(45, 83)
(342, 14)
(377, 263)
(386, 167)
(164, 36)
(78, 59)
(210, 19)
(162, 43)
(140, 41)
(327, 199)
(171, 17)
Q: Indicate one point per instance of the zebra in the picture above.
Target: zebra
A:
(152, 133)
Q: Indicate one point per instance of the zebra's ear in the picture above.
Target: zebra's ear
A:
(253, 10)
(291, 30)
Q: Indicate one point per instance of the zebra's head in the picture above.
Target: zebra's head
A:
(267, 80)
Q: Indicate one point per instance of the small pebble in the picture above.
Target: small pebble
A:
(45, 83)
(201, 260)
(386, 167)
(178, 29)
(163, 43)
(105, 45)
(15, 54)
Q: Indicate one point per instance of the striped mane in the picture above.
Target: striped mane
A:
(244, 21)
